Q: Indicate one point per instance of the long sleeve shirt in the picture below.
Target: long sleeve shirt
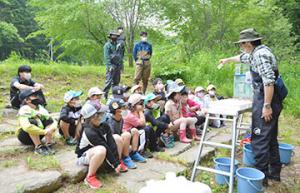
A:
(263, 62)
(99, 136)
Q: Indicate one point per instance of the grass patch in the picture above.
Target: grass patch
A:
(57, 79)
(8, 163)
(166, 157)
(38, 162)
(6, 135)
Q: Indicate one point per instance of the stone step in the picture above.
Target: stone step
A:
(12, 145)
(134, 180)
(7, 128)
(21, 179)
(190, 155)
(183, 147)
(71, 171)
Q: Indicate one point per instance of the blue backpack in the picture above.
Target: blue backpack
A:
(281, 88)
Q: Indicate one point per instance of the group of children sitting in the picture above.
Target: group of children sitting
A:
(128, 129)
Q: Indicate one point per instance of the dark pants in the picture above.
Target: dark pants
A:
(25, 138)
(72, 130)
(113, 78)
(264, 134)
(151, 139)
(16, 103)
(160, 129)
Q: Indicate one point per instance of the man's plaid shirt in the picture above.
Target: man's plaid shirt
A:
(263, 62)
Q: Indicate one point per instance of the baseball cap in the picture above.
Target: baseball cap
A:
(95, 91)
(150, 97)
(211, 86)
(26, 93)
(118, 92)
(199, 88)
(179, 81)
(135, 98)
(115, 104)
(71, 94)
(135, 87)
(89, 109)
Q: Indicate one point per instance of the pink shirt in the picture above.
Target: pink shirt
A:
(186, 111)
(130, 121)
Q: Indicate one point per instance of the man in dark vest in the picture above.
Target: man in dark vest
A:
(113, 61)
(267, 104)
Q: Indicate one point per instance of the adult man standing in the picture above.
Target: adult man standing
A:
(142, 53)
(266, 103)
(121, 44)
(21, 82)
(113, 61)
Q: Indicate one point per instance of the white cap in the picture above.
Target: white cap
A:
(199, 88)
(135, 87)
(94, 91)
(135, 98)
(88, 110)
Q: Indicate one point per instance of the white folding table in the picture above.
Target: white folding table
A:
(233, 110)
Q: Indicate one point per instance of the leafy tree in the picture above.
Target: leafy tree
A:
(21, 16)
(9, 39)
(78, 28)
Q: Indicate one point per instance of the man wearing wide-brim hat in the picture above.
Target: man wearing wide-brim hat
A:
(266, 102)
(113, 61)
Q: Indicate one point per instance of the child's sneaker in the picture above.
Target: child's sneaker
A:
(71, 141)
(123, 167)
(129, 163)
(93, 182)
(137, 157)
(172, 141)
(166, 141)
(42, 150)
(50, 149)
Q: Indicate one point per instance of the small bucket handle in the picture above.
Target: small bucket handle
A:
(255, 187)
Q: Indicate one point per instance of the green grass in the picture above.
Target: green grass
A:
(57, 79)
(38, 162)
(9, 163)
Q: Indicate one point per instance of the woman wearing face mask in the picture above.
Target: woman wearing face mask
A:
(35, 123)
(69, 118)
(142, 53)
(21, 82)
(96, 144)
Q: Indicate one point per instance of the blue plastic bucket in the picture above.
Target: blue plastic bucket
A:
(249, 180)
(248, 157)
(285, 152)
(223, 164)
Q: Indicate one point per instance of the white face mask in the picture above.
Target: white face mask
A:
(200, 94)
(212, 93)
(124, 113)
(159, 87)
(144, 39)
(155, 106)
(27, 76)
(78, 104)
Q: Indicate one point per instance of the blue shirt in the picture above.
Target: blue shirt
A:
(142, 50)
